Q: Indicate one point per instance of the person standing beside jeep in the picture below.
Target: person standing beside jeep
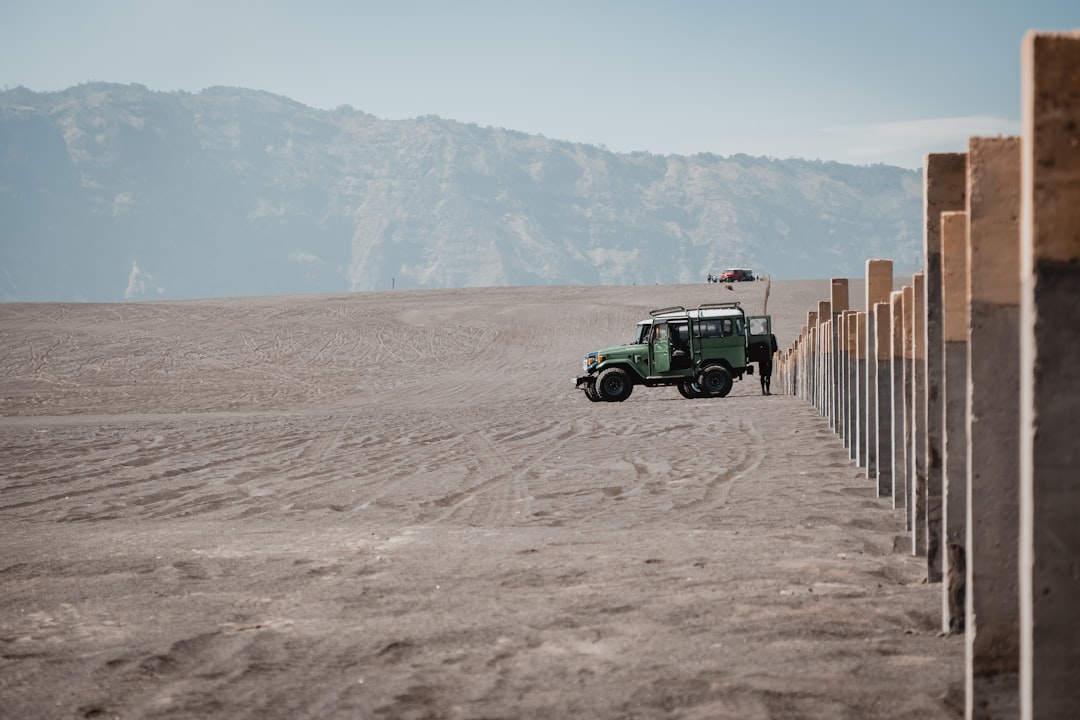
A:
(765, 365)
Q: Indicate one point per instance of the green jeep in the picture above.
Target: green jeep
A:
(700, 351)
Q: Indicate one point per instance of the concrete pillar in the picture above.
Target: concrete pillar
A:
(838, 304)
(801, 381)
(944, 188)
(860, 388)
(793, 367)
(786, 365)
(845, 375)
(852, 386)
(823, 315)
(842, 376)
(992, 655)
(811, 357)
(841, 370)
(788, 356)
(896, 399)
(878, 286)
(826, 368)
(918, 416)
(823, 361)
(909, 357)
(954, 388)
(1050, 377)
(882, 409)
(804, 354)
(783, 363)
(797, 365)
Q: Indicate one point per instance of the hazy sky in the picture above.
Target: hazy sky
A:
(857, 81)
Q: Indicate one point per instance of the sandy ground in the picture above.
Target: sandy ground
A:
(395, 505)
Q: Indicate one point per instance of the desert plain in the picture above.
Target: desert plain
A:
(396, 505)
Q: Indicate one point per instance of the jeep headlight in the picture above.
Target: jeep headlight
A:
(591, 361)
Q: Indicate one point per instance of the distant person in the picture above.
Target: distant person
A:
(765, 365)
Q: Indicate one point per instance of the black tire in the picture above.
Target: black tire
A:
(690, 390)
(590, 392)
(613, 385)
(715, 381)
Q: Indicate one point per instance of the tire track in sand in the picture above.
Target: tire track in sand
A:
(503, 466)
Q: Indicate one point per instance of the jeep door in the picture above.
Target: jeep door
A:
(758, 337)
(660, 349)
(758, 328)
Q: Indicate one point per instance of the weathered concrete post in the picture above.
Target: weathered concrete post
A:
(785, 366)
(845, 338)
(796, 364)
(800, 362)
(878, 286)
(823, 363)
(805, 362)
(838, 303)
(954, 388)
(811, 357)
(852, 384)
(993, 522)
(823, 315)
(944, 189)
(841, 376)
(860, 390)
(882, 410)
(789, 368)
(1050, 377)
(783, 357)
(918, 417)
(826, 369)
(896, 399)
(909, 358)
(834, 361)
(841, 370)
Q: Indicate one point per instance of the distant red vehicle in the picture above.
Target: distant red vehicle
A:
(736, 275)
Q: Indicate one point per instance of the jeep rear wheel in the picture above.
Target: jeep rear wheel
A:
(690, 390)
(613, 385)
(715, 381)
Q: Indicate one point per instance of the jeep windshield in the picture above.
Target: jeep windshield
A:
(642, 336)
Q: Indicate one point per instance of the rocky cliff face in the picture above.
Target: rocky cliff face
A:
(110, 192)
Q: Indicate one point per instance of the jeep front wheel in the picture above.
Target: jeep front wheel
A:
(715, 381)
(613, 385)
(590, 392)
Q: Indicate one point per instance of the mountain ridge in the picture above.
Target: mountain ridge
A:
(112, 192)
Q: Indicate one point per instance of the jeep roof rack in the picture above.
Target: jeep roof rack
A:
(720, 306)
(665, 311)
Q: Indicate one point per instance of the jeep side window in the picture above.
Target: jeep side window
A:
(728, 328)
(660, 332)
(681, 335)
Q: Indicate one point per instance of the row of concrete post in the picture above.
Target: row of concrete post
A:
(959, 393)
